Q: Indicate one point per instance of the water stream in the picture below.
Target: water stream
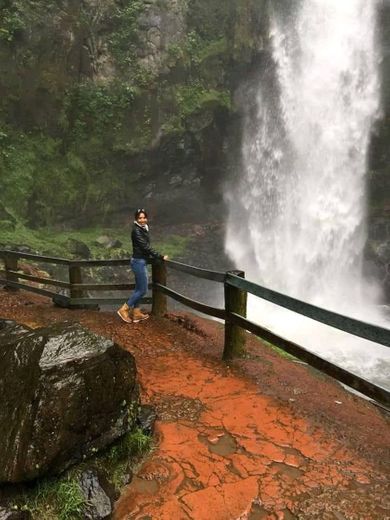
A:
(297, 213)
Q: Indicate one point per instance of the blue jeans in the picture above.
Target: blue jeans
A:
(138, 266)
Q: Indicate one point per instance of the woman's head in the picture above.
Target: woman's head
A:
(141, 216)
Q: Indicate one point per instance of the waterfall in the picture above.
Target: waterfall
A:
(297, 213)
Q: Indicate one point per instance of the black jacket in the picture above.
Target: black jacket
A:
(141, 244)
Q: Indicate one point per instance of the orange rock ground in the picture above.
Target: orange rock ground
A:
(265, 438)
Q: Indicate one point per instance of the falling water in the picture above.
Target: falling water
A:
(297, 215)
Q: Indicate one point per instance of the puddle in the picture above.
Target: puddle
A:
(222, 444)
(257, 513)
(284, 469)
(188, 486)
(233, 469)
(146, 487)
(292, 451)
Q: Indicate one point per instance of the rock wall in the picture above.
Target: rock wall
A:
(110, 104)
(378, 245)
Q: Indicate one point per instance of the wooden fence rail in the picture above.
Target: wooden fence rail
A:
(338, 321)
(236, 288)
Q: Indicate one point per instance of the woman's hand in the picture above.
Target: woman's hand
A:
(165, 257)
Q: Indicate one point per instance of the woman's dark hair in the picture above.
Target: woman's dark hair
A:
(138, 213)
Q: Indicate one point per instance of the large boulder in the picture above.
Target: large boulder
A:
(11, 331)
(107, 242)
(78, 248)
(65, 393)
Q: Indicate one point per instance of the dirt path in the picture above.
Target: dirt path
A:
(266, 438)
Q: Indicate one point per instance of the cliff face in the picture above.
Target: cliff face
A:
(109, 104)
(378, 245)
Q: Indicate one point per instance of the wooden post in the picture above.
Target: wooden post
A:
(11, 264)
(159, 300)
(235, 301)
(75, 277)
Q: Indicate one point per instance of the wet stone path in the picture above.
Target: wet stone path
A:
(227, 450)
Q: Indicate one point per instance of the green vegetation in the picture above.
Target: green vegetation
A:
(61, 134)
(54, 242)
(62, 499)
(94, 107)
(211, 19)
(194, 50)
(54, 499)
(82, 111)
(173, 246)
(70, 499)
(194, 98)
(123, 42)
(12, 20)
(133, 445)
(41, 182)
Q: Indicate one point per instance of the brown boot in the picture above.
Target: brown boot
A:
(124, 313)
(138, 315)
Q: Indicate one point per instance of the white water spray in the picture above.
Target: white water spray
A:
(297, 216)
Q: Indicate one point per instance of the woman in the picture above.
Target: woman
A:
(142, 252)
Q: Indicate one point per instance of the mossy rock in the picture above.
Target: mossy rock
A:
(78, 248)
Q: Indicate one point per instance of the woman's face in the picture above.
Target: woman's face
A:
(142, 219)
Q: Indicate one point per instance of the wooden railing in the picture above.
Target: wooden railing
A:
(77, 290)
(236, 288)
